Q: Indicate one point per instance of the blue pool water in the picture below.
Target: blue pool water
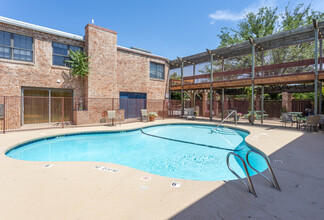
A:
(176, 159)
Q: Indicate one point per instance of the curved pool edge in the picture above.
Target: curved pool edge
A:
(9, 148)
(114, 130)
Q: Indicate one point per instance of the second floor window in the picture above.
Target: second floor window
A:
(61, 53)
(16, 47)
(156, 71)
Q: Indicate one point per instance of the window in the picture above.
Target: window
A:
(156, 71)
(16, 47)
(61, 53)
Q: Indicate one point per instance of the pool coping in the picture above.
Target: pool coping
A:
(20, 144)
(117, 130)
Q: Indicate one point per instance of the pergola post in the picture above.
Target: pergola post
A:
(316, 68)
(253, 68)
(182, 104)
(194, 92)
(211, 85)
(320, 82)
(223, 103)
(262, 91)
(223, 91)
(262, 103)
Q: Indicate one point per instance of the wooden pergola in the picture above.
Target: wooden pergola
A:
(247, 77)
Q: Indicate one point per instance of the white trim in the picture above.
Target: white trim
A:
(40, 28)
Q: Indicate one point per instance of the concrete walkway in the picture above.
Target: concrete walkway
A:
(75, 190)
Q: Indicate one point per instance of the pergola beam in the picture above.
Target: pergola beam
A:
(281, 39)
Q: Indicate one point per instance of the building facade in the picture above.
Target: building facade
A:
(32, 64)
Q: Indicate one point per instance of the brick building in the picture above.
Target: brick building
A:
(32, 65)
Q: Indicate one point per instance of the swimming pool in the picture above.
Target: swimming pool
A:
(184, 151)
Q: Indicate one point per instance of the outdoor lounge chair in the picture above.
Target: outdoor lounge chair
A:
(311, 123)
(111, 115)
(144, 115)
(191, 113)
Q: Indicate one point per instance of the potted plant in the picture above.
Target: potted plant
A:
(152, 115)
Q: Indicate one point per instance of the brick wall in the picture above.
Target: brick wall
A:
(41, 72)
(112, 69)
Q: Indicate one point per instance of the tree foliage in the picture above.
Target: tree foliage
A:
(267, 21)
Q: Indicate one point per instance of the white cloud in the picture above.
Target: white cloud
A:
(227, 15)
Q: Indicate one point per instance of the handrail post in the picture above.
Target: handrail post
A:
(4, 114)
(235, 117)
(62, 112)
(249, 186)
(163, 108)
(275, 184)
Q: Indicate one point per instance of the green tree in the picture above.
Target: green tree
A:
(175, 76)
(78, 61)
(267, 21)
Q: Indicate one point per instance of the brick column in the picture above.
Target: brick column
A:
(216, 107)
(258, 102)
(231, 104)
(204, 104)
(101, 47)
(287, 101)
(226, 105)
(192, 96)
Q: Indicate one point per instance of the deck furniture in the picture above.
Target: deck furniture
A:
(287, 118)
(144, 115)
(191, 113)
(257, 115)
(111, 116)
(311, 123)
(321, 121)
(297, 118)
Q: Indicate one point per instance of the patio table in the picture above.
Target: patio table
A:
(299, 120)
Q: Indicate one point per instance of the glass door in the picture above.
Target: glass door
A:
(36, 106)
(42, 105)
(57, 96)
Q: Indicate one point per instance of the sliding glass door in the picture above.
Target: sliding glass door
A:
(42, 105)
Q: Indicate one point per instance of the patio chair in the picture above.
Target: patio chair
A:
(191, 113)
(286, 118)
(144, 115)
(311, 123)
(111, 115)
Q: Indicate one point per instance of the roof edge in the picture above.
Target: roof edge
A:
(40, 28)
(142, 53)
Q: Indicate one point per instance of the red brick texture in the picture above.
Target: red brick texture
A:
(113, 69)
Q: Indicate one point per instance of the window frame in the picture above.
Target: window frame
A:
(156, 71)
(60, 55)
(12, 47)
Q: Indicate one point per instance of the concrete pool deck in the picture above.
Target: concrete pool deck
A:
(75, 190)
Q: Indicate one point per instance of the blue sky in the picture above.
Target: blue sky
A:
(167, 28)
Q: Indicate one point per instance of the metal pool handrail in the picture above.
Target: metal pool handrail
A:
(249, 185)
(235, 119)
(273, 183)
(188, 142)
